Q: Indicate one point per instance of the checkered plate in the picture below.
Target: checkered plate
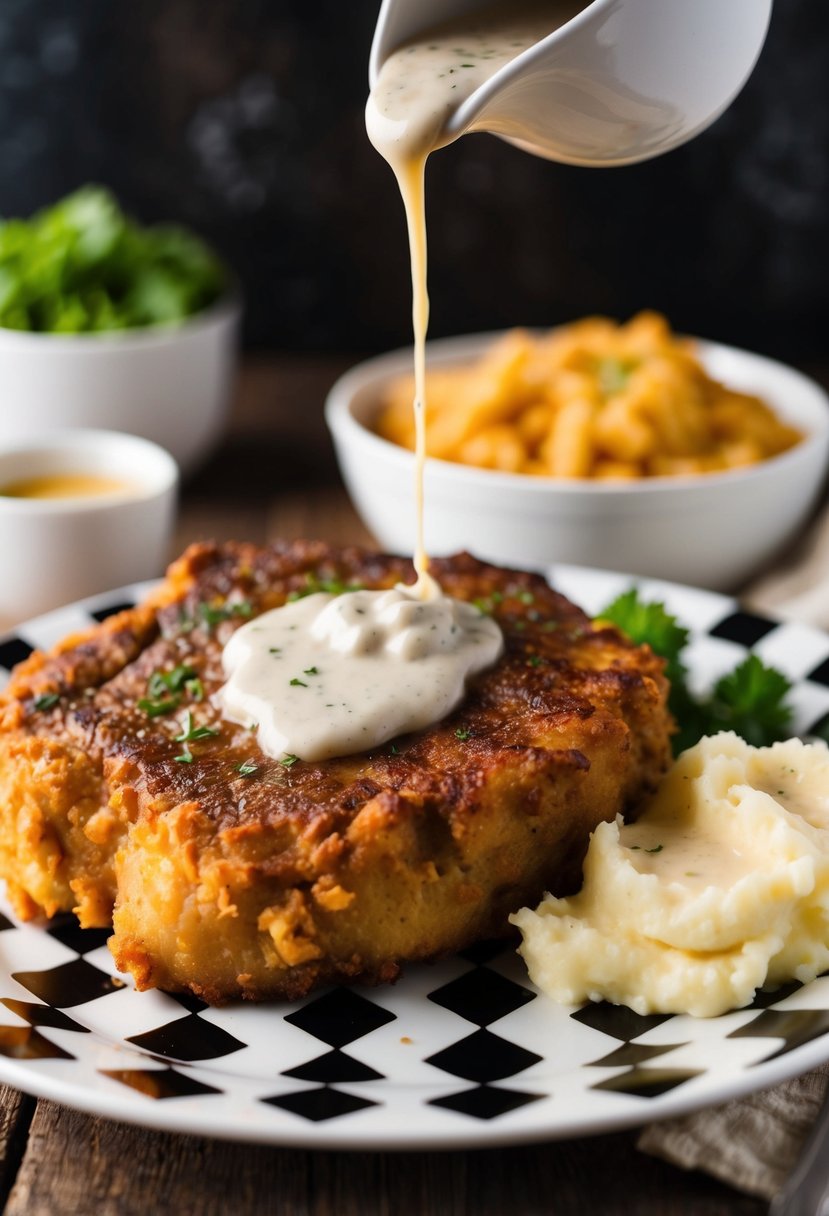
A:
(460, 1054)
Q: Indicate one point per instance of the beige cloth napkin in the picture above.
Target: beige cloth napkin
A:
(798, 588)
(754, 1143)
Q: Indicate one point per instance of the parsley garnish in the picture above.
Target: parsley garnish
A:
(330, 586)
(186, 756)
(289, 761)
(614, 374)
(462, 734)
(189, 731)
(657, 848)
(247, 768)
(486, 603)
(534, 660)
(310, 671)
(297, 683)
(186, 623)
(172, 681)
(214, 614)
(750, 700)
(155, 708)
(166, 690)
(650, 623)
(46, 701)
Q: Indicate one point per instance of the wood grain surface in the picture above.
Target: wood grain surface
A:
(275, 475)
(77, 1164)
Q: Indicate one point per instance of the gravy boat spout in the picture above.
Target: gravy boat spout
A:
(622, 81)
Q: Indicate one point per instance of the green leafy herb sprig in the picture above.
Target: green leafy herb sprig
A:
(188, 733)
(331, 586)
(83, 266)
(750, 700)
(166, 690)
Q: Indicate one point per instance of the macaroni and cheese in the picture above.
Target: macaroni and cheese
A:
(593, 399)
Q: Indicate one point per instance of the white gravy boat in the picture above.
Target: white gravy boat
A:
(623, 81)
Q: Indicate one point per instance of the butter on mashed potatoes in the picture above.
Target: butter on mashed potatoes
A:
(720, 887)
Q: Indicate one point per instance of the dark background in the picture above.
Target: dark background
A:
(244, 118)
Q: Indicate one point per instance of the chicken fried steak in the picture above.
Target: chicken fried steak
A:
(126, 795)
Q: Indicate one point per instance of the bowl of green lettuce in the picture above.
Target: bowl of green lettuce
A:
(108, 323)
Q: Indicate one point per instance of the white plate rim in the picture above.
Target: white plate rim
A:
(134, 1108)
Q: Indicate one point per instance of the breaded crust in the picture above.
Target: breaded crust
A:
(233, 874)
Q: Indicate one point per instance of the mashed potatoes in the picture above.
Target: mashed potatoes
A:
(720, 887)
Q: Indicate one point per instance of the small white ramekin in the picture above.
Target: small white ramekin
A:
(57, 550)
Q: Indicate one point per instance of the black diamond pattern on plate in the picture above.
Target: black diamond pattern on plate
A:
(794, 1026)
(485, 1102)
(67, 930)
(647, 1082)
(820, 728)
(69, 984)
(820, 674)
(332, 1067)
(481, 996)
(5, 923)
(26, 1043)
(44, 1015)
(765, 997)
(483, 1056)
(484, 952)
(188, 1001)
(188, 1038)
(12, 651)
(617, 1020)
(318, 1105)
(743, 627)
(101, 614)
(340, 1017)
(633, 1053)
(159, 1082)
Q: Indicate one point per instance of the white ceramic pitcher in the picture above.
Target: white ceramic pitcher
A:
(623, 81)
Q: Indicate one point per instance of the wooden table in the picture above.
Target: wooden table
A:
(276, 475)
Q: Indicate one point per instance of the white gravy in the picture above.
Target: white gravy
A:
(331, 675)
(691, 857)
(419, 88)
(328, 676)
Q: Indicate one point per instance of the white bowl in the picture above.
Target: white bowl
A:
(712, 531)
(169, 385)
(56, 550)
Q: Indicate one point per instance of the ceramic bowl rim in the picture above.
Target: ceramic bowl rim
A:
(349, 429)
(161, 480)
(227, 308)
